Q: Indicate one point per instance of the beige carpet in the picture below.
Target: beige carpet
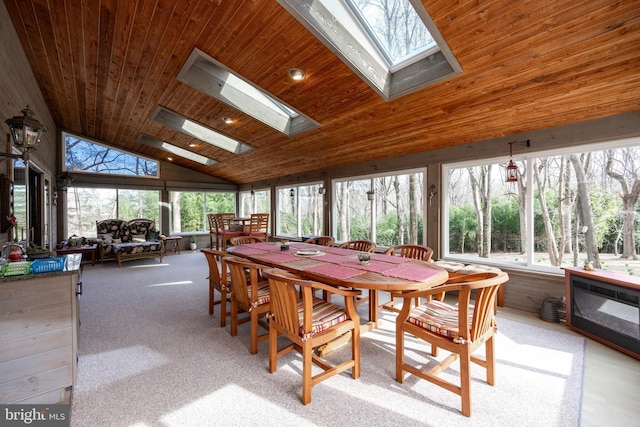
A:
(150, 355)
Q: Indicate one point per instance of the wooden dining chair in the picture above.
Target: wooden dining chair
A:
(362, 246)
(359, 245)
(249, 292)
(321, 240)
(243, 240)
(460, 329)
(419, 252)
(228, 228)
(308, 323)
(259, 226)
(214, 229)
(218, 281)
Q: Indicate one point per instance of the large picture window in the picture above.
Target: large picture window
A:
(85, 206)
(258, 201)
(386, 209)
(565, 208)
(300, 211)
(189, 209)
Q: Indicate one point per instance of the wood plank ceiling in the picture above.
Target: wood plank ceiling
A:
(104, 66)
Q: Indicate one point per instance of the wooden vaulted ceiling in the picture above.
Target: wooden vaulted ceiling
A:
(104, 66)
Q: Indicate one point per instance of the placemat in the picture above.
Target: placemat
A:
(377, 267)
(278, 257)
(335, 271)
(265, 246)
(247, 251)
(416, 274)
(390, 258)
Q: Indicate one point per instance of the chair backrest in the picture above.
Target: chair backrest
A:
(243, 240)
(259, 223)
(285, 298)
(486, 286)
(217, 267)
(213, 222)
(420, 252)
(359, 245)
(239, 285)
(321, 240)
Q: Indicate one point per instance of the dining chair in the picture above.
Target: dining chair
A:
(362, 246)
(457, 328)
(243, 240)
(218, 281)
(228, 228)
(214, 230)
(308, 323)
(419, 252)
(359, 245)
(249, 292)
(259, 226)
(321, 240)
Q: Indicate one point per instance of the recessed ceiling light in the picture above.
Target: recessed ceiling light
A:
(193, 145)
(170, 159)
(227, 120)
(296, 74)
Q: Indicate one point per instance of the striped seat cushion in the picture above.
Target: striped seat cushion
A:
(324, 316)
(263, 293)
(437, 317)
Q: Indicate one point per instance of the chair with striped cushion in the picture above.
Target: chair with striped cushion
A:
(249, 292)
(460, 329)
(310, 322)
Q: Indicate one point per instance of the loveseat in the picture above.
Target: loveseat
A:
(127, 240)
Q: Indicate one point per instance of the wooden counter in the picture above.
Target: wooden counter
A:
(39, 338)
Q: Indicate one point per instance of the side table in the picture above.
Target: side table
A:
(175, 247)
(87, 249)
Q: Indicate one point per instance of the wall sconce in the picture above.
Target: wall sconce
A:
(55, 197)
(26, 132)
(321, 190)
(432, 192)
(65, 180)
(292, 193)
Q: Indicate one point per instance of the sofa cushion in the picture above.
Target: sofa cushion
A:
(138, 238)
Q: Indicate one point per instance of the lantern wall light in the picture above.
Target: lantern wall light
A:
(26, 132)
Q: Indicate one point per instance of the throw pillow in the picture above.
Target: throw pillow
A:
(107, 239)
(153, 236)
(116, 241)
(138, 238)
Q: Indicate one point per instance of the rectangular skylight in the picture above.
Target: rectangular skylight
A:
(207, 75)
(170, 148)
(393, 45)
(196, 130)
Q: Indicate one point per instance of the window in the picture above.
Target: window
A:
(85, 206)
(392, 214)
(392, 44)
(258, 201)
(189, 209)
(566, 208)
(300, 211)
(83, 155)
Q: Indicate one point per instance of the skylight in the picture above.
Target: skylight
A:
(211, 77)
(393, 44)
(196, 130)
(172, 149)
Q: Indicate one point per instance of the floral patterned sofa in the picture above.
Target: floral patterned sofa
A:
(127, 240)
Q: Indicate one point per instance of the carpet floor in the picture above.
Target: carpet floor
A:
(151, 355)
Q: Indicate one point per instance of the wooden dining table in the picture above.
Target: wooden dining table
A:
(340, 267)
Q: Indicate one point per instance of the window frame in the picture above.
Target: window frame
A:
(288, 187)
(205, 210)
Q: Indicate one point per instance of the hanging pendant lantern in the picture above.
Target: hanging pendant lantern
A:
(512, 169)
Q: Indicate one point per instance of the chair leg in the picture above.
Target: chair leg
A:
(234, 317)
(307, 360)
(490, 360)
(211, 298)
(254, 331)
(399, 355)
(223, 309)
(465, 381)
(273, 348)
